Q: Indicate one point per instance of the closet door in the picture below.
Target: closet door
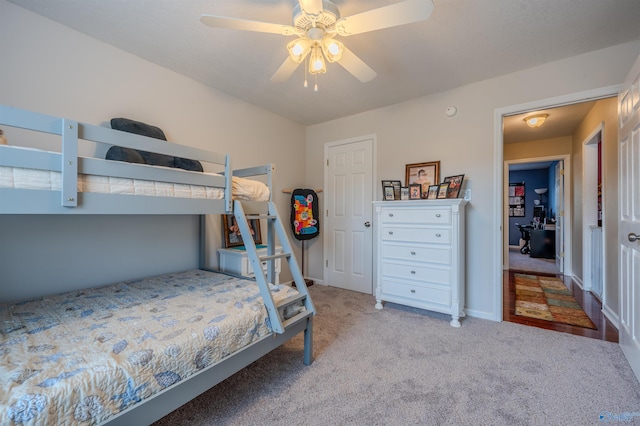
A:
(348, 197)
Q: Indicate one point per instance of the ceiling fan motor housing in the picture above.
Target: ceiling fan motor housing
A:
(325, 19)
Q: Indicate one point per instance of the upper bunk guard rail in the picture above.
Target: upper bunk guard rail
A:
(69, 164)
(274, 228)
(267, 170)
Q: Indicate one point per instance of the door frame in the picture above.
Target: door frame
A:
(567, 210)
(589, 200)
(498, 179)
(327, 191)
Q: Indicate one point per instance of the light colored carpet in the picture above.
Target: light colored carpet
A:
(405, 366)
(524, 262)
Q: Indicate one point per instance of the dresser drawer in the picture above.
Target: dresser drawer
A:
(416, 272)
(415, 253)
(427, 294)
(426, 216)
(418, 235)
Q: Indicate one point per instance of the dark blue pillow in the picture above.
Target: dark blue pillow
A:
(136, 156)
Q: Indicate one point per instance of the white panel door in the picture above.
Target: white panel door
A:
(348, 197)
(629, 221)
(559, 215)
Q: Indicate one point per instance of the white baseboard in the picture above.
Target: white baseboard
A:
(578, 281)
(480, 314)
(611, 316)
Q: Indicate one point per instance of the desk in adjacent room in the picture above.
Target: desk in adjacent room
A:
(543, 243)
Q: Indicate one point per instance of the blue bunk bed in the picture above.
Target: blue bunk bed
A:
(131, 352)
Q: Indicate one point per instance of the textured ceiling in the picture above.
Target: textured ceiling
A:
(464, 41)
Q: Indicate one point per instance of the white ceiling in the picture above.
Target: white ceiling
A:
(464, 41)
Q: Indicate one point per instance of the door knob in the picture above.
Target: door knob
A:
(367, 224)
(633, 237)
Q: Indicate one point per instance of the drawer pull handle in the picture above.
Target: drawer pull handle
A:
(438, 215)
(390, 214)
(390, 232)
(413, 272)
(438, 235)
(413, 253)
(413, 290)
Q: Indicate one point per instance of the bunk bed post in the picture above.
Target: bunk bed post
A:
(202, 247)
(271, 240)
(228, 195)
(69, 167)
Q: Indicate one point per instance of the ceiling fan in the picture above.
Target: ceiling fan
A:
(316, 23)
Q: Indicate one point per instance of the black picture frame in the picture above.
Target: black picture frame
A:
(388, 193)
(415, 191)
(396, 184)
(455, 183)
(404, 193)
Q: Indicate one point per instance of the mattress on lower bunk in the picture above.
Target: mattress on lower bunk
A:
(26, 178)
(83, 356)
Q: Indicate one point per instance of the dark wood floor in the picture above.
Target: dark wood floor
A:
(591, 305)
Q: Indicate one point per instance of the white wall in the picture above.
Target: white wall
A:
(49, 68)
(418, 130)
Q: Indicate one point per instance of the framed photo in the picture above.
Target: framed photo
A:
(425, 174)
(404, 193)
(443, 189)
(433, 192)
(455, 182)
(389, 194)
(396, 184)
(232, 236)
(415, 191)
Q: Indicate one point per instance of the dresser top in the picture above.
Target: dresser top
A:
(423, 203)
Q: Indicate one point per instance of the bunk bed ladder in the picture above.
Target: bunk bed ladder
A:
(274, 228)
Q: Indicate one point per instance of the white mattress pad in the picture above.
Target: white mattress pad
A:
(28, 178)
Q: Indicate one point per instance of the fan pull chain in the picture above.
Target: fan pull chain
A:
(306, 66)
(315, 88)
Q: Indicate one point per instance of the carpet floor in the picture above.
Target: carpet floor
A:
(548, 298)
(524, 262)
(404, 366)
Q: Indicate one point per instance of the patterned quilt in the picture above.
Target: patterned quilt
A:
(83, 356)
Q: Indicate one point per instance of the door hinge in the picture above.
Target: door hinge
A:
(327, 162)
(561, 172)
(561, 213)
(326, 263)
(562, 254)
(327, 213)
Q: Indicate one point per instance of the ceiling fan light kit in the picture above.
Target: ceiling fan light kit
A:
(316, 23)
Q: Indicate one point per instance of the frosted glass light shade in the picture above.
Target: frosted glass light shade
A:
(536, 120)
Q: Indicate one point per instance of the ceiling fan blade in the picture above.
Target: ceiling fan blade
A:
(311, 7)
(393, 15)
(286, 69)
(356, 66)
(246, 25)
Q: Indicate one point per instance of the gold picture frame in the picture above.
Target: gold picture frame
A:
(232, 237)
(425, 174)
(443, 189)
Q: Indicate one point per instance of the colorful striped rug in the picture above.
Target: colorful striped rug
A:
(547, 298)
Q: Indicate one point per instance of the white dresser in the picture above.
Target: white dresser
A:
(236, 261)
(419, 252)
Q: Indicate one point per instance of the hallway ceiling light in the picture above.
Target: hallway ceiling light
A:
(536, 120)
